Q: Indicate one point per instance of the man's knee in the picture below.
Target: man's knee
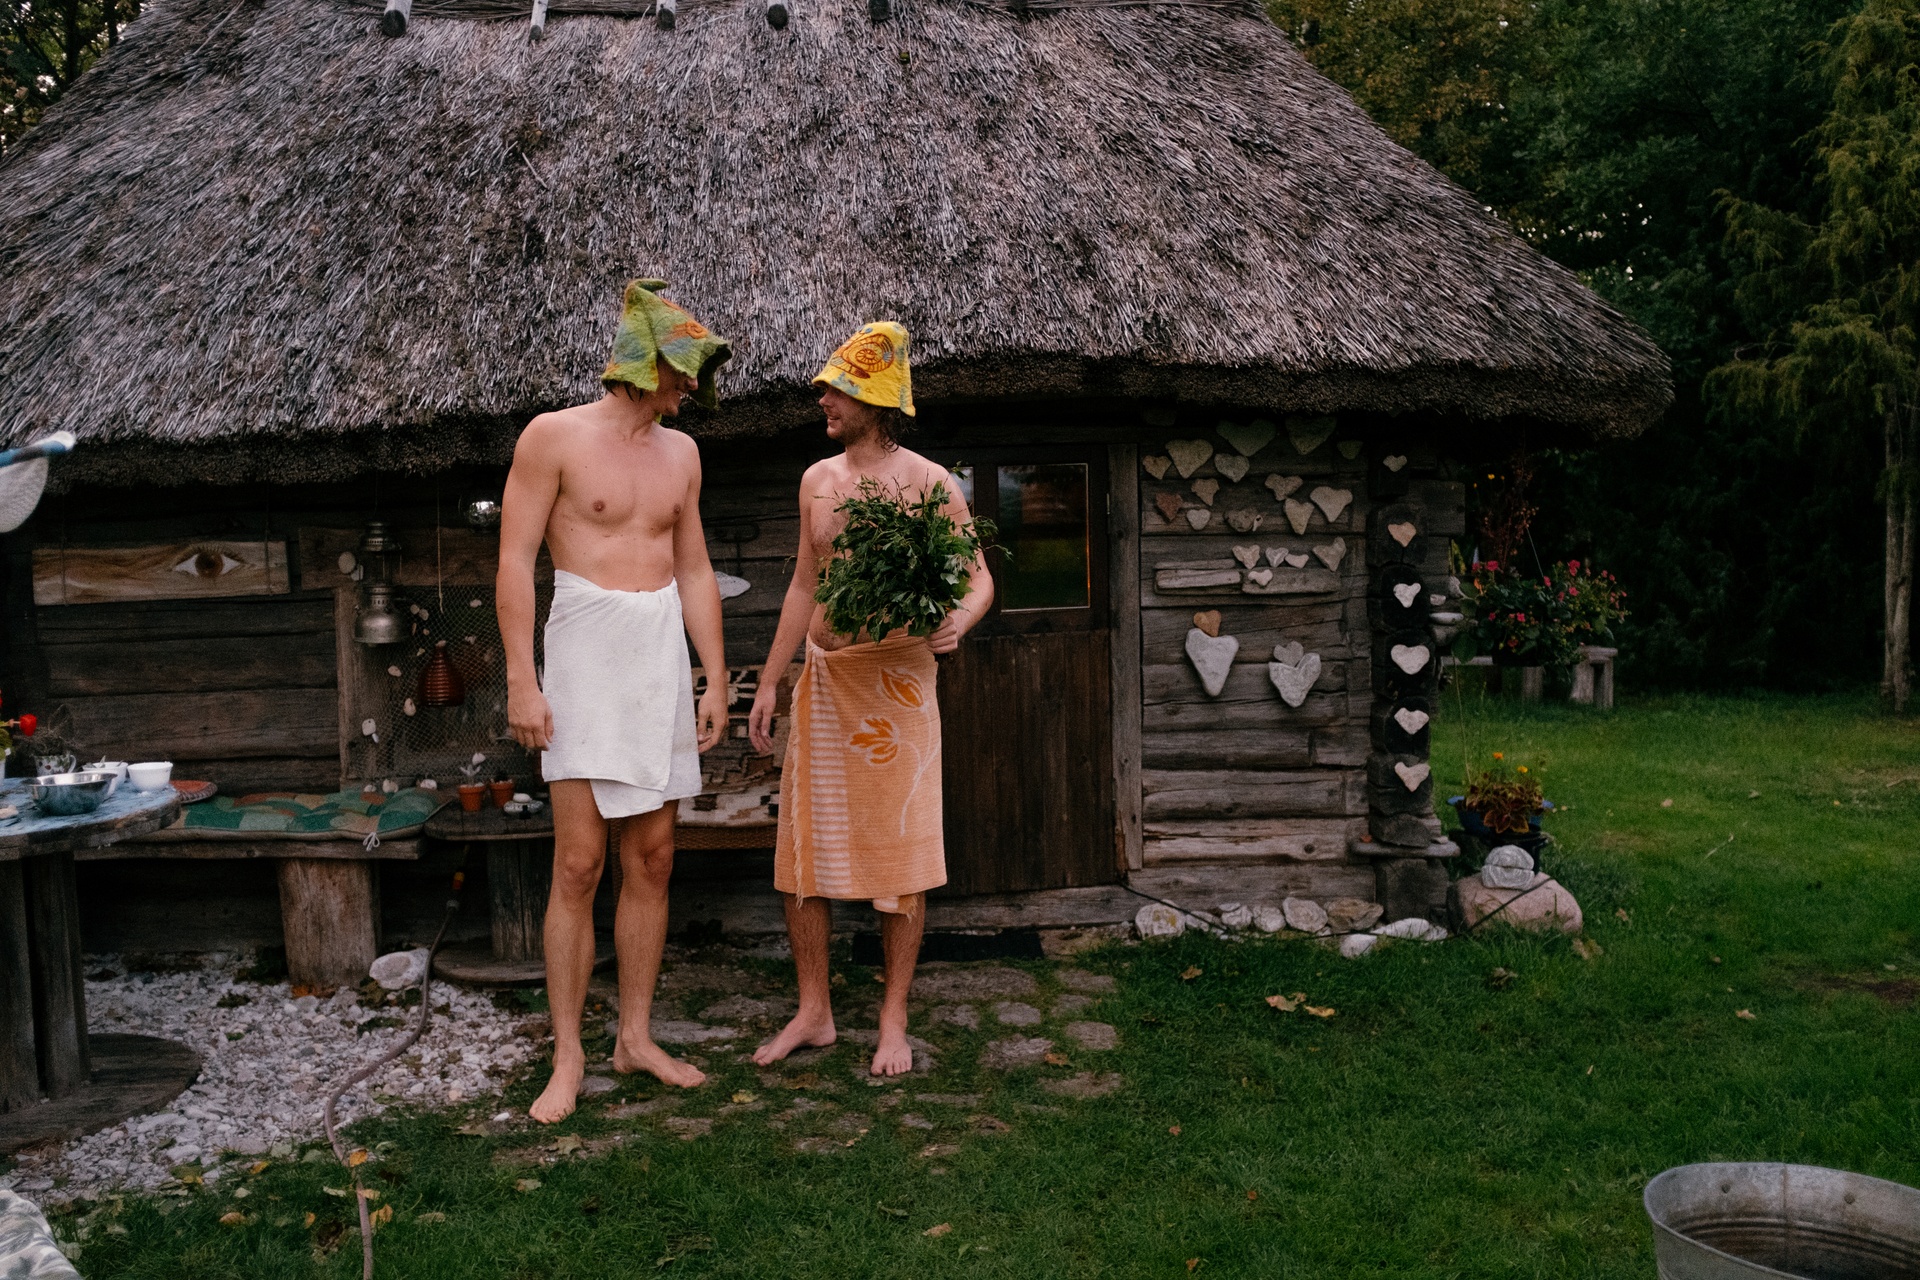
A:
(576, 874)
(646, 855)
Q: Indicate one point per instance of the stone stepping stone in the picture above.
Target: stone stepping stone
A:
(819, 1146)
(923, 1059)
(988, 1124)
(1015, 1014)
(707, 977)
(673, 1031)
(593, 1086)
(958, 1015)
(950, 1099)
(1068, 1005)
(936, 1150)
(648, 1107)
(974, 984)
(1094, 1035)
(912, 1121)
(1014, 1052)
(1085, 1084)
(1081, 980)
(738, 1008)
(688, 1127)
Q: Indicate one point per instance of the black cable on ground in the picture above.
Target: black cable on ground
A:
(333, 1098)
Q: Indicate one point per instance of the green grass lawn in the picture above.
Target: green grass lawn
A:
(1440, 1124)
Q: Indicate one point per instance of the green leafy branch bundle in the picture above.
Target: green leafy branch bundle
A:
(897, 563)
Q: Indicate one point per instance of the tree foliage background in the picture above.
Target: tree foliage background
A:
(45, 45)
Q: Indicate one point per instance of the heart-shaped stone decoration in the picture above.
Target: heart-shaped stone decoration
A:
(1188, 455)
(1169, 505)
(1332, 553)
(1208, 620)
(1250, 439)
(1247, 555)
(1411, 720)
(1212, 658)
(1394, 461)
(1283, 485)
(1410, 657)
(1296, 559)
(1298, 513)
(1206, 490)
(1156, 465)
(1406, 593)
(1294, 680)
(1349, 449)
(1291, 652)
(1331, 501)
(1308, 434)
(1412, 775)
(1275, 555)
(1198, 517)
(1402, 531)
(1231, 465)
(1259, 577)
(1243, 521)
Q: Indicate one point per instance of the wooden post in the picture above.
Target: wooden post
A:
(519, 877)
(330, 915)
(1123, 593)
(19, 1070)
(1533, 683)
(59, 985)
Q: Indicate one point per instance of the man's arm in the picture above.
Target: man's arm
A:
(700, 607)
(796, 613)
(973, 606)
(533, 485)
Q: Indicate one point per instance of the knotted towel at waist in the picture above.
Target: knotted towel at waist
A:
(860, 808)
(620, 686)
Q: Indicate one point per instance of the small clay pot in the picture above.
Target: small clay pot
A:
(472, 796)
(500, 792)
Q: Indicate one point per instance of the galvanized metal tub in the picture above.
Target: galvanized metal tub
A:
(1747, 1221)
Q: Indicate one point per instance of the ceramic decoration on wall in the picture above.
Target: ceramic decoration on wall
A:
(1198, 517)
(1206, 490)
(1282, 486)
(1243, 521)
(1156, 465)
(1309, 434)
(1410, 658)
(1293, 672)
(1331, 501)
(1168, 504)
(1277, 556)
(1249, 439)
(1412, 775)
(1332, 553)
(1247, 555)
(1349, 449)
(1394, 461)
(1188, 456)
(1231, 465)
(1299, 514)
(730, 586)
(1210, 652)
(1402, 531)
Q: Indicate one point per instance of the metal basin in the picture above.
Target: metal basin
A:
(1747, 1221)
(65, 794)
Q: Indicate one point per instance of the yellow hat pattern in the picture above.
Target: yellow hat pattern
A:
(871, 366)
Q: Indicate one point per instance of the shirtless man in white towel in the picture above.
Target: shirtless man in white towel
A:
(615, 495)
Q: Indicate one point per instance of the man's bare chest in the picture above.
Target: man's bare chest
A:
(616, 496)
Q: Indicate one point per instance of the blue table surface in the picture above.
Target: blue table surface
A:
(33, 827)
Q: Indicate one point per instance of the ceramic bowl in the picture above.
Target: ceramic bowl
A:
(64, 794)
(150, 775)
(118, 768)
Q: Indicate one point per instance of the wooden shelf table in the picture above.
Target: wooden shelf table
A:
(56, 1081)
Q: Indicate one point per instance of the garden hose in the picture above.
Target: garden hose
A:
(333, 1098)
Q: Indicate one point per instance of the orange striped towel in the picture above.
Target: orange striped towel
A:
(860, 813)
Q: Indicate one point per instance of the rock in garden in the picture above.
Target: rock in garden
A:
(1305, 915)
(688, 1127)
(707, 977)
(958, 1015)
(1355, 945)
(1412, 929)
(1236, 915)
(592, 1085)
(986, 982)
(1508, 867)
(1085, 1084)
(1015, 1051)
(398, 970)
(1015, 1014)
(1081, 980)
(1157, 920)
(672, 1031)
(1269, 919)
(1351, 915)
(1544, 906)
(737, 1008)
(1094, 1035)
(1067, 1005)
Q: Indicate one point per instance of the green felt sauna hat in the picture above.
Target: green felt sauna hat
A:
(653, 328)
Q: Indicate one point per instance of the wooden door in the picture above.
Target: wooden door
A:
(1025, 701)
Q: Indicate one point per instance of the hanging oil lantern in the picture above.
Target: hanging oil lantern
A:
(441, 684)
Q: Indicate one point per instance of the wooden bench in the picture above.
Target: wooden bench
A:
(1592, 676)
(329, 894)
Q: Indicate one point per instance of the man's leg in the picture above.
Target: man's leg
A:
(810, 930)
(579, 851)
(900, 941)
(639, 936)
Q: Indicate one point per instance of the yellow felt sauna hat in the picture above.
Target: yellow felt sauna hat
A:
(871, 366)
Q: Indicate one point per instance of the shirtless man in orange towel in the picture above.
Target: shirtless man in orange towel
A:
(860, 815)
(614, 493)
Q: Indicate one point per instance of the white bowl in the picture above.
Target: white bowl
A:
(118, 768)
(150, 775)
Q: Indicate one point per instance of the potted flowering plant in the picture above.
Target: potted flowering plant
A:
(1503, 806)
(1525, 621)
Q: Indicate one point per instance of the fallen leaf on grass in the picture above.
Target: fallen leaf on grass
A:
(369, 1194)
(527, 1184)
(1714, 959)
(1666, 804)
(356, 1157)
(1620, 914)
(1319, 1011)
(1501, 977)
(1193, 1264)
(743, 1096)
(890, 1211)
(1287, 1004)
(1753, 795)
(258, 1167)
(382, 1216)
(1748, 1014)
(1586, 949)
(336, 1191)
(1253, 1195)
(938, 1229)
(1191, 972)
(431, 1216)
(309, 1222)
(235, 1219)
(1174, 1129)
(567, 1143)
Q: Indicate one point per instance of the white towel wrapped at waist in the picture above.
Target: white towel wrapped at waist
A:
(620, 686)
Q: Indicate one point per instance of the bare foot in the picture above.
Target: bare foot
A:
(806, 1031)
(650, 1057)
(556, 1100)
(894, 1056)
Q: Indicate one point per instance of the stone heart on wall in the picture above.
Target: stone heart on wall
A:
(1406, 593)
(1412, 775)
(1296, 559)
(1231, 465)
(1283, 485)
(1248, 555)
(1402, 531)
(1332, 553)
(1394, 461)
(1275, 555)
(1259, 577)
(1198, 516)
(1206, 490)
(1349, 449)
(1250, 439)
(1410, 658)
(1212, 658)
(1208, 620)
(1298, 514)
(1189, 455)
(1309, 434)
(1169, 505)
(1331, 501)
(1156, 465)
(1293, 673)
(1411, 720)
(1243, 521)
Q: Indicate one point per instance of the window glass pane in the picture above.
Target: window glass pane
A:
(1043, 526)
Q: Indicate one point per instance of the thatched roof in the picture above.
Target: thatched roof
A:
(260, 220)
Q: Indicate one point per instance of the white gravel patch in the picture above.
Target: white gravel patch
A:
(266, 1066)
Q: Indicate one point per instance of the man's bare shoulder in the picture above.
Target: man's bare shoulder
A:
(550, 433)
(922, 473)
(824, 477)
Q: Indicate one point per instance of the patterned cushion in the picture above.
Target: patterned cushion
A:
(294, 815)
